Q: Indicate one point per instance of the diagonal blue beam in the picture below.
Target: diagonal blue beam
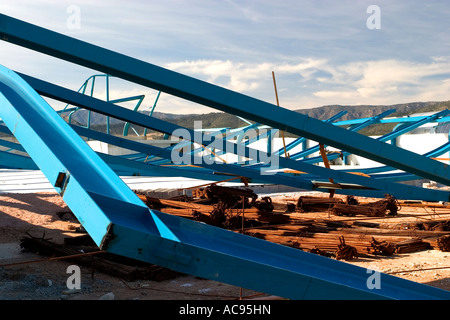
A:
(149, 75)
(389, 120)
(300, 140)
(405, 176)
(62, 155)
(355, 128)
(391, 135)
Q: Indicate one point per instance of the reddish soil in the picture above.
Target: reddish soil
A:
(45, 214)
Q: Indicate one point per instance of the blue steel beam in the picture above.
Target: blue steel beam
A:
(383, 171)
(300, 140)
(355, 128)
(229, 135)
(389, 120)
(400, 191)
(389, 136)
(215, 171)
(118, 221)
(212, 171)
(120, 165)
(149, 75)
(10, 160)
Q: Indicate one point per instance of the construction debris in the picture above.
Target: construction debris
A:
(226, 207)
(229, 197)
(443, 243)
(119, 266)
(337, 237)
(375, 209)
(411, 245)
(240, 210)
(344, 251)
(385, 248)
(309, 204)
(349, 207)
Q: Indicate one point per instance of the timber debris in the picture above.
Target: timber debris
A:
(309, 203)
(411, 245)
(387, 248)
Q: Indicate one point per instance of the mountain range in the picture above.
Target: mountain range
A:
(225, 120)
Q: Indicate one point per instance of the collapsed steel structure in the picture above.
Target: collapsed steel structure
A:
(119, 222)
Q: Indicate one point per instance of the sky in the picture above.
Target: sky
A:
(322, 52)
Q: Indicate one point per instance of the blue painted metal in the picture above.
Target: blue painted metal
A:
(400, 191)
(387, 137)
(301, 140)
(146, 74)
(119, 222)
(82, 90)
(389, 120)
(377, 172)
(10, 160)
(302, 182)
(355, 128)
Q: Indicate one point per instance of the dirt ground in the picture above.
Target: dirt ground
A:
(28, 276)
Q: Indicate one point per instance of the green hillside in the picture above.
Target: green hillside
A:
(224, 120)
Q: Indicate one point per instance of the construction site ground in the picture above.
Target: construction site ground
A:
(31, 276)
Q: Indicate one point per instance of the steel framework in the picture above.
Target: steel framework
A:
(118, 221)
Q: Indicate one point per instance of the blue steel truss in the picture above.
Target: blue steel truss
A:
(359, 185)
(118, 221)
(216, 97)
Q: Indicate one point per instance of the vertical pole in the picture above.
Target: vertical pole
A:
(327, 165)
(107, 100)
(278, 104)
(242, 231)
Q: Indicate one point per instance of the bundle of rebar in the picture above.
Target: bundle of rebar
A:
(443, 243)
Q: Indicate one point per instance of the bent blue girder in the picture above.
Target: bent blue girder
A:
(118, 221)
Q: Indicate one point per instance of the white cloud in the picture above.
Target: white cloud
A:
(235, 76)
(315, 82)
(244, 77)
(321, 53)
(387, 81)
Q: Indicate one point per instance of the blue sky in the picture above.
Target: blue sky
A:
(322, 52)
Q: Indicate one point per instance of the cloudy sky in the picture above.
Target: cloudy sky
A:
(322, 52)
